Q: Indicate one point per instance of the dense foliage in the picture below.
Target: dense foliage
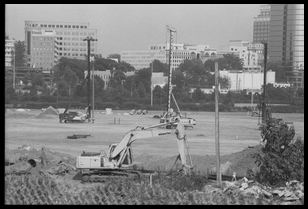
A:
(70, 86)
(282, 157)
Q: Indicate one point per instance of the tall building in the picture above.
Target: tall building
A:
(9, 52)
(286, 39)
(261, 25)
(142, 58)
(46, 42)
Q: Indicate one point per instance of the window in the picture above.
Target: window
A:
(61, 26)
(69, 26)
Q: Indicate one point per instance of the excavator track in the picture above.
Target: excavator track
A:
(104, 176)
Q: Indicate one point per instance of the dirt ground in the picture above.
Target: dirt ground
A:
(237, 132)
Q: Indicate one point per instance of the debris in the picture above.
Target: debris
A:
(244, 186)
(78, 136)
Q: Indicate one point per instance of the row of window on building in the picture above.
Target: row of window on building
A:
(57, 26)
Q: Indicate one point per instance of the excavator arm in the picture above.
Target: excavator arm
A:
(121, 149)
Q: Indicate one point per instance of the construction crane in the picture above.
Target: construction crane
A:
(118, 161)
(169, 115)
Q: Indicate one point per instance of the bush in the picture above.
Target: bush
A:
(282, 157)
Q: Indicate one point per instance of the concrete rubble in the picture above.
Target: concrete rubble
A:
(292, 193)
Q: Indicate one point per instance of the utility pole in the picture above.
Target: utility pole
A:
(14, 68)
(218, 174)
(89, 39)
(171, 31)
(264, 84)
(93, 90)
(151, 83)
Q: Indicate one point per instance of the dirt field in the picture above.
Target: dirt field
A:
(237, 132)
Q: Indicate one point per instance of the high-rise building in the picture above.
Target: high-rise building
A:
(261, 25)
(46, 42)
(286, 39)
(9, 52)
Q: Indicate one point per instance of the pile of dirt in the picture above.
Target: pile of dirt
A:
(49, 112)
(238, 162)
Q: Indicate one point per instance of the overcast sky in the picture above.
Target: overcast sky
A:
(136, 26)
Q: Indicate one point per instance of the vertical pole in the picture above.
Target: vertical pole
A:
(89, 69)
(251, 102)
(93, 91)
(151, 83)
(218, 174)
(170, 70)
(14, 73)
(264, 84)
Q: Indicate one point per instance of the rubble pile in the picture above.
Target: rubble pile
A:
(61, 169)
(292, 193)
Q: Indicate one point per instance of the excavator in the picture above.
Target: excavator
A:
(118, 161)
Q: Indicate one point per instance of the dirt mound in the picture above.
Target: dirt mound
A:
(50, 111)
(238, 162)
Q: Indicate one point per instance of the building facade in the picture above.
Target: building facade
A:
(104, 75)
(180, 52)
(248, 52)
(46, 42)
(247, 80)
(9, 52)
(261, 25)
(286, 39)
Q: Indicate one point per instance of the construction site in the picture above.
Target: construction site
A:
(66, 156)
(38, 136)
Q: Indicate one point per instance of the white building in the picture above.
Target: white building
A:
(248, 52)
(104, 75)
(9, 52)
(180, 52)
(247, 80)
(158, 79)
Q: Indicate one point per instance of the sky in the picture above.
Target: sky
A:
(136, 26)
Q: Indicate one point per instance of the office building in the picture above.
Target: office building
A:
(46, 42)
(180, 52)
(9, 53)
(261, 25)
(286, 39)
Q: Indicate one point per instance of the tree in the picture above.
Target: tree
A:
(195, 73)
(227, 62)
(115, 56)
(20, 54)
(160, 67)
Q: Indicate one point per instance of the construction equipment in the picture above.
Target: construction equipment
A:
(171, 118)
(118, 161)
(168, 116)
(73, 116)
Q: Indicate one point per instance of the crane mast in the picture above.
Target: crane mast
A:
(171, 38)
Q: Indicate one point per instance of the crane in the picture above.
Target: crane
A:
(119, 160)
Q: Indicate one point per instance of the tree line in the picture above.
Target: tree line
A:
(69, 84)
